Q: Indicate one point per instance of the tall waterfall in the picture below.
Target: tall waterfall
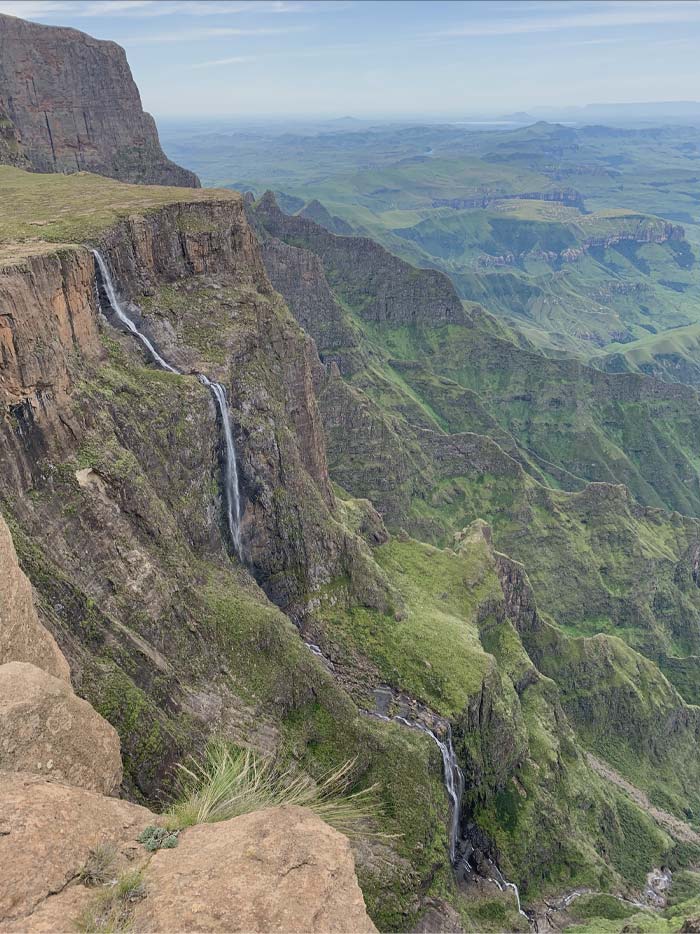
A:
(122, 315)
(231, 488)
(452, 774)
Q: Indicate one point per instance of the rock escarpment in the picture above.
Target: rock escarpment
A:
(68, 103)
(292, 871)
(378, 285)
(567, 196)
(47, 323)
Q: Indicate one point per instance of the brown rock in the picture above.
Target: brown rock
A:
(45, 728)
(72, 106)
(49, 318)
(439, 918)
(281, 869)
(22, 637)
(48, 831)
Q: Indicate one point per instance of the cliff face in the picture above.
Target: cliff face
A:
(59, 760)
(382, 287)
(91, 438)
(47, 323)
(68, 103)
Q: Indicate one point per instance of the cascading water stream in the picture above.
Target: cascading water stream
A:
(452, 774)
(231, 487)
(453, 777)
(122, 315)
(504, 884)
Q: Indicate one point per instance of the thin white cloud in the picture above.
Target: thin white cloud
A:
(146, 9)
(194, 35)
(220, 62)
(602, 15)
(33, 9)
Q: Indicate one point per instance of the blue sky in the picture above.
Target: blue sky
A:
(363, 58)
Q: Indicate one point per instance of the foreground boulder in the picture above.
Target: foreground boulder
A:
(46, 729)
(22, 637)
(47, 832)
(281, 869)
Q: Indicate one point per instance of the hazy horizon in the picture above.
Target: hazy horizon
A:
(321, 59)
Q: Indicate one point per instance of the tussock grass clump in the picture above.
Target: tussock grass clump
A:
(232, 781)
(112, 910)
(100, 866)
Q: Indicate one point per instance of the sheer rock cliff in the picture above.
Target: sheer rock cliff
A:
(68, 103)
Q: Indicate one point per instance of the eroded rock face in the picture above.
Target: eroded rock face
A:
(48, 322)
(281, 869)
(22, 637)
(46, 729)
(46, 833)
(378, 285)
(72, 105)
(298, 275)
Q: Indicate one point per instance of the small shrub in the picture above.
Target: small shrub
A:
(112, 910)
(231, 782)
(100, 865)
(158, 838)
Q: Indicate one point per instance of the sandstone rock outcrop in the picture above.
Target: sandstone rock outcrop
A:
(68, 103)
(22, 637)
(46, 729)
(48, 319)
(47, 831)
(277, 870)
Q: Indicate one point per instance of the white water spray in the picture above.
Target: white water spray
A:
(231, 488)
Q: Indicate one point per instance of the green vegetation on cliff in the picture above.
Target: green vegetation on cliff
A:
(439, 417)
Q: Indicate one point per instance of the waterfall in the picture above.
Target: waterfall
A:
(452, 774)
(122, 315)
(231, 488)
(504, 884)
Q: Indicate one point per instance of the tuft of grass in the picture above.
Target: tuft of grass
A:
(231, 782)
(112, 910)
(100, 865)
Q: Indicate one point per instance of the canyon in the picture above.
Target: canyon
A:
(269, 485)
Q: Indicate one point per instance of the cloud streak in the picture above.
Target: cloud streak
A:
(598, 16)
(196, 35)
(221, 62)
(150, 9)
